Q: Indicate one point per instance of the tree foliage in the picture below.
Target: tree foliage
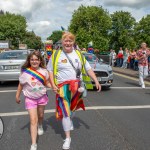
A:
(91, 23)
(12, 27)
(122, 33)
(55, 36)
(142, 31)
(32, 41)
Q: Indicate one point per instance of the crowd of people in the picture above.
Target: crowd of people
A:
(124, 58)
(138, 60)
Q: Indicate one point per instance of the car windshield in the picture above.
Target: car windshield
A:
(13, 55)
(91, 58)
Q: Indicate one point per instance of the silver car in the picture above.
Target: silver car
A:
(10, 64)
(102, 70)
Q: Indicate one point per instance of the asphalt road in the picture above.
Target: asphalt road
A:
(115, 119)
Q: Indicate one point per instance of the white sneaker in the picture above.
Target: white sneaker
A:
(66, 144)
(33, 147)
(143, 86)
(40, 130)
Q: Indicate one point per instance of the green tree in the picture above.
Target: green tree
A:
(32, 41)
(122, 32)
(12, 27)
(55, 36)
(1, 12)
(91, 23)
(142, 31)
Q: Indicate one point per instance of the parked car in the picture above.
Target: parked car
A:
(102, 70)
(10, 64)
(31, 50)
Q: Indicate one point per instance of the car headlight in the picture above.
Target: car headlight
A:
(110, 71)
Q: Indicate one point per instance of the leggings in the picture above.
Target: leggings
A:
(67, 123)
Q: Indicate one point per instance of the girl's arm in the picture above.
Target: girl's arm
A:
(48, 83)
(54, 87)
(93, 76)
(20, 87)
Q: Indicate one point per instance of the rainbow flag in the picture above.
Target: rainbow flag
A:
(35, 74)
(68, 99)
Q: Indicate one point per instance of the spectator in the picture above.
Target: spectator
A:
(113, 58)
(84, 49)
(132, 58)
(125, 58)
(120, 58)
(149, 63)
(142, 56)
(110, 57)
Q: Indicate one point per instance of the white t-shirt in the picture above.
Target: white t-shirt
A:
(114, 55)
(65, 69)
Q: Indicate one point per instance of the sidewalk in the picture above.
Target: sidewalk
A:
(128, 72)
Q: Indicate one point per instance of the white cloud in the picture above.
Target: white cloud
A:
(45, 16)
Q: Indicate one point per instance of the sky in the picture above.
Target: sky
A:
(45, 16)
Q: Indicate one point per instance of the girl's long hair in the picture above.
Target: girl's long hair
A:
(27, 62)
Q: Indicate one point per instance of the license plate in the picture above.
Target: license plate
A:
(10, 67)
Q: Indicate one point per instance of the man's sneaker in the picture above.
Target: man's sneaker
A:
(40, 130)
(66, 144)
(143, 86)
(33, 147)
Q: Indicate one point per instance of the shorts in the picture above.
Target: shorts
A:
(34, 103)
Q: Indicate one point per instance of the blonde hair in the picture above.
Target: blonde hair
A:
(69, 35)
(143, 43)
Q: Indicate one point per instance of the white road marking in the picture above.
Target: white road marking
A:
(128, 88)
(134, 87)
(8, 91)
(87, 108)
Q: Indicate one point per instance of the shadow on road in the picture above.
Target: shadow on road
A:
(56, 125)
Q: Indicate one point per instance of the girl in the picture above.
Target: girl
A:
(33, 79)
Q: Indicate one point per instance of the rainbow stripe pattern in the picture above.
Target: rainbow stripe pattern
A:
(35, 74)
(69, 99)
